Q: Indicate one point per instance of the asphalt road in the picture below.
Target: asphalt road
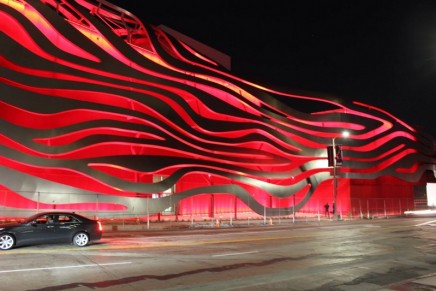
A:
(331, 255)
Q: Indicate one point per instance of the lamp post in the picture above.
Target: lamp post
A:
(335, 179)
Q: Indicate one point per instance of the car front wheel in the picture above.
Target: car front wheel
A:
(7, 241)
(81, 239)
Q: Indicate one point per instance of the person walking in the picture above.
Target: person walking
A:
(327, 213)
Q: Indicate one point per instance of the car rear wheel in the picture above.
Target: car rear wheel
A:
(81, 239)
(7, 241)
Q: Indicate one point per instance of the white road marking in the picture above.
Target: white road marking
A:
(234, 254)
(426, 223)
(64, 267)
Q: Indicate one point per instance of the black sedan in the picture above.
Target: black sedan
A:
(50, 227)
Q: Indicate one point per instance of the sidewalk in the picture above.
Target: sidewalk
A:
(177, 225)
(226, 223)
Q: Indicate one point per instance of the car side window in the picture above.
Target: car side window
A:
(63, 219)
(44, 219)
(41, 220)
(74, 219)
(50, 219)
(67, 219)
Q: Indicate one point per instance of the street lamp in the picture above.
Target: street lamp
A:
(335, 180)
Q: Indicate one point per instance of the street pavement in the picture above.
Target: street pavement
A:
(422, 283)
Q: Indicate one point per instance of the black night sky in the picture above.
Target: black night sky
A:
(378, 52)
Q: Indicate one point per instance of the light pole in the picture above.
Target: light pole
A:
(335, 179)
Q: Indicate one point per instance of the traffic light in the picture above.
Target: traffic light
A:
(339, 156)
(330, 155)
(339, 159)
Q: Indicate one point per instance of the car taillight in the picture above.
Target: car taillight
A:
(100, 227)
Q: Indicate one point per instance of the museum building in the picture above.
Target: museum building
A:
(109, 116)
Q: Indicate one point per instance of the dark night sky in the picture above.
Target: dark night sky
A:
(378, 52)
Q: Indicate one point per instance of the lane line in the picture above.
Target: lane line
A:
(64, 267)
(235, 254)
(425, 223)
